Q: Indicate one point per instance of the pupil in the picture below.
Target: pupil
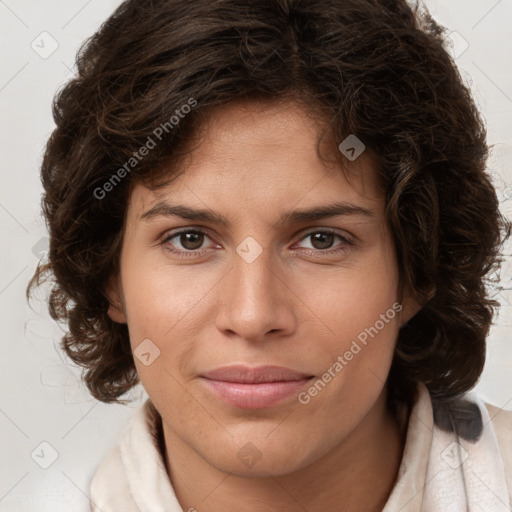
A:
(317, 237)
(187, 240)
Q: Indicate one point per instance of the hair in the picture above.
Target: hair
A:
(378, 69)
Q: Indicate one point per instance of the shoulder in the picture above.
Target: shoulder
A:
(502, 422)
(109, 486)
(484, 433)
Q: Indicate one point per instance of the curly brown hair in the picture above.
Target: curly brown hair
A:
(375, 68)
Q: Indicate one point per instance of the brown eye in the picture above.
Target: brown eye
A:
(187, 242)
(191, 240)
(321, 240)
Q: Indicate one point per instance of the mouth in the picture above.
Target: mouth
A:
(254, 388)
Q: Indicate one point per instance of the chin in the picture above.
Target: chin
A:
(274, 465)
(261, 456)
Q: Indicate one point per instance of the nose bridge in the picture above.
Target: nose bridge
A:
(253, 300)
(254, 278)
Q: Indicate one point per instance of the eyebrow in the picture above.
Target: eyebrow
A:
(164, 209)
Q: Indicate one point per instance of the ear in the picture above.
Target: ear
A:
(410, 306)
(116, 310)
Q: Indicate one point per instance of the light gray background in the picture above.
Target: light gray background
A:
(42, 398)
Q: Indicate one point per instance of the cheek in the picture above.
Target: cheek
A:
(160, 299)
(362, 314)
(355, 298)
(164, 305)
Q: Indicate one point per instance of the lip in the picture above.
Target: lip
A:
(254, 388)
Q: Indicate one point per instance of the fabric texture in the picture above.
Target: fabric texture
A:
(440, 471)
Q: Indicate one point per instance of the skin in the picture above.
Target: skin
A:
(295, 305)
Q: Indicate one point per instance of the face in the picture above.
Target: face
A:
(262, 331)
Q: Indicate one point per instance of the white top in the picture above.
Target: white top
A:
(439, 471)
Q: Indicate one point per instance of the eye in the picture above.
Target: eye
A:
(190, 240)
(324, 239)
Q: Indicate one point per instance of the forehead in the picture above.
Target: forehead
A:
(264, 154)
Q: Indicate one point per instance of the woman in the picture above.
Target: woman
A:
(276, 217)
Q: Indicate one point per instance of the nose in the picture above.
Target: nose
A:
(256, 300)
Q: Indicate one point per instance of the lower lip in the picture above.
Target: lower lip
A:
(254, 396)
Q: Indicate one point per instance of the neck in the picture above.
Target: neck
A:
(358, 474)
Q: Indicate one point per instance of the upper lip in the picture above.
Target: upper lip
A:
(259, 374)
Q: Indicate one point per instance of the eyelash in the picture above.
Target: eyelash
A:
(195, 253)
